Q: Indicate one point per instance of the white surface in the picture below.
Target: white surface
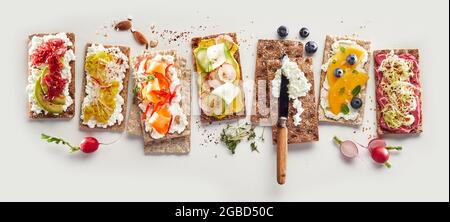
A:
(33, 170)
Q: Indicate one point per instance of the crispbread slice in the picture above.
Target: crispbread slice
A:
(268, 61)
(172, 143)
(124, 93)
(415, 53)
(209, 119)
(269, 50)
(308, 129)
(70, 112)
(326, 55)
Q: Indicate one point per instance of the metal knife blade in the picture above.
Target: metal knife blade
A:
(283, 100)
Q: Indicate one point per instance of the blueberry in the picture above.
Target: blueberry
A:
(351, 59)
(304, 32)
(338, 72)
(311, 47)
(283, 31)
(356, 103)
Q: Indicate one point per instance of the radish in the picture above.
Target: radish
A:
(347, 147)
(378, 142)
(379, 151)
(87, 145)
(377, 147)
(381, 155)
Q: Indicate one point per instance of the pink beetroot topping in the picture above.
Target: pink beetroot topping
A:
(382, 99)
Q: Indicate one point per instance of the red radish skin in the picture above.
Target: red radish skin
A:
(380, 155)
(89, 145)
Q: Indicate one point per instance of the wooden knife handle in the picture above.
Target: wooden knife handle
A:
(282, 146)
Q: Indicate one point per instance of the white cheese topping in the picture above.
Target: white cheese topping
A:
(227, 91)
(66, 73)
(298, 85)
(114, 71)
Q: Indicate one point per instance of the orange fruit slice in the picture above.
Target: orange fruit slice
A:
(155, 67)
(339, 60)
(161, 122)
(341, 91)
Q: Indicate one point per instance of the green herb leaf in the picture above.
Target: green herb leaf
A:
(150, 77)
(136, 90)
(356, 90)
(342, 49)
(231, 136)
(344, 109)
(334, 61)
(355, 71)
(51, 139)
(254, 147)
(341, 91)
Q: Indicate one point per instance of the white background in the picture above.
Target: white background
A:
(31, 170)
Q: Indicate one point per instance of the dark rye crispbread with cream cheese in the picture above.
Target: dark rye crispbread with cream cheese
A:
(418, 126)
(70, 112)
(123, 93)
(362, 94)
(268, 61)
(234, 116)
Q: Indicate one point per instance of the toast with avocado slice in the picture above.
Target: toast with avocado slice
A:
(219, 75)
(51, 76)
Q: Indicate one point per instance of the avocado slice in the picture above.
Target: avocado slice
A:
(42, 102)
(202, 59)
(43, 85)
(59, 100)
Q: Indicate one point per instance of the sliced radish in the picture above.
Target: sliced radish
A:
(214, 83)
(227, 73)
(347, 147)
(211, 104)
(377, 142)
(225, 38)
(214, 75)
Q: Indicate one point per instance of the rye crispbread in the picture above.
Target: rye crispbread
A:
(415, 53)
(235, 116)
(268, 61)
(172, 143)
(124, 93)
(326, 55)
(70, 112)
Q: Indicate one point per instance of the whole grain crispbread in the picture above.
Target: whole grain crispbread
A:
(124, 93)
(171, 143)
(269, 50)
(308, 129)
(415, 53)
(326, 55)
(70, 112)
(268, 61)
(235, 116)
